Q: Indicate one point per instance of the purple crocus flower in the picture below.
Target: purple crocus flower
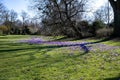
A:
(35, 41)
(82, 45)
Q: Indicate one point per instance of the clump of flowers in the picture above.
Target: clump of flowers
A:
(35, 41)
(82, 45)
(32, 41)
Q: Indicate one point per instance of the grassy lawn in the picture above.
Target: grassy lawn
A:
(22, 61)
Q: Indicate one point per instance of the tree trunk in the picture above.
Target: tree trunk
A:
(116, 8)
(116, 32)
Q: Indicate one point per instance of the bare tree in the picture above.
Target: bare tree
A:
(99, 14)
(6, 16)
(13, 16)
(12, 20)
(25, 22)
(2, 12)
(24, 16)
(62, 13)
(1, 7)
(104, 14)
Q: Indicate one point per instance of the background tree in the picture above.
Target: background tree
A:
(2, 8)
(13, 16)
(61, 14)
(24, 17)
(102, 14)
(12, 19)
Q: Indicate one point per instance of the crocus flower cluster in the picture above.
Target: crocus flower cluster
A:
(86, 46)
(103, 47)
(57, 43)
(32, 41)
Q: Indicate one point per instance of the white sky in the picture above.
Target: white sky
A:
(97, 3)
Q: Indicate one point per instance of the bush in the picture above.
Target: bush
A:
(4, 29)
(1, 32)
(95, 26)
(98, 24)
(83, 26)
(104, 32)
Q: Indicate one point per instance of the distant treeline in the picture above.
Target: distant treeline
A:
(58, 18)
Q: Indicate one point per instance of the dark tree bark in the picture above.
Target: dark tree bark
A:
(116, 8)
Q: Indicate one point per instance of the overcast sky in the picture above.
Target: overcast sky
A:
(19, 5)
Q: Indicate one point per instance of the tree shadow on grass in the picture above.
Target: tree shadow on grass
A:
(86, 50)
(114, 78)
(82, 46)
(40, 49)
(103, 40)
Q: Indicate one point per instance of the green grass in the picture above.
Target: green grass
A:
(20, 61)
(112, 43)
